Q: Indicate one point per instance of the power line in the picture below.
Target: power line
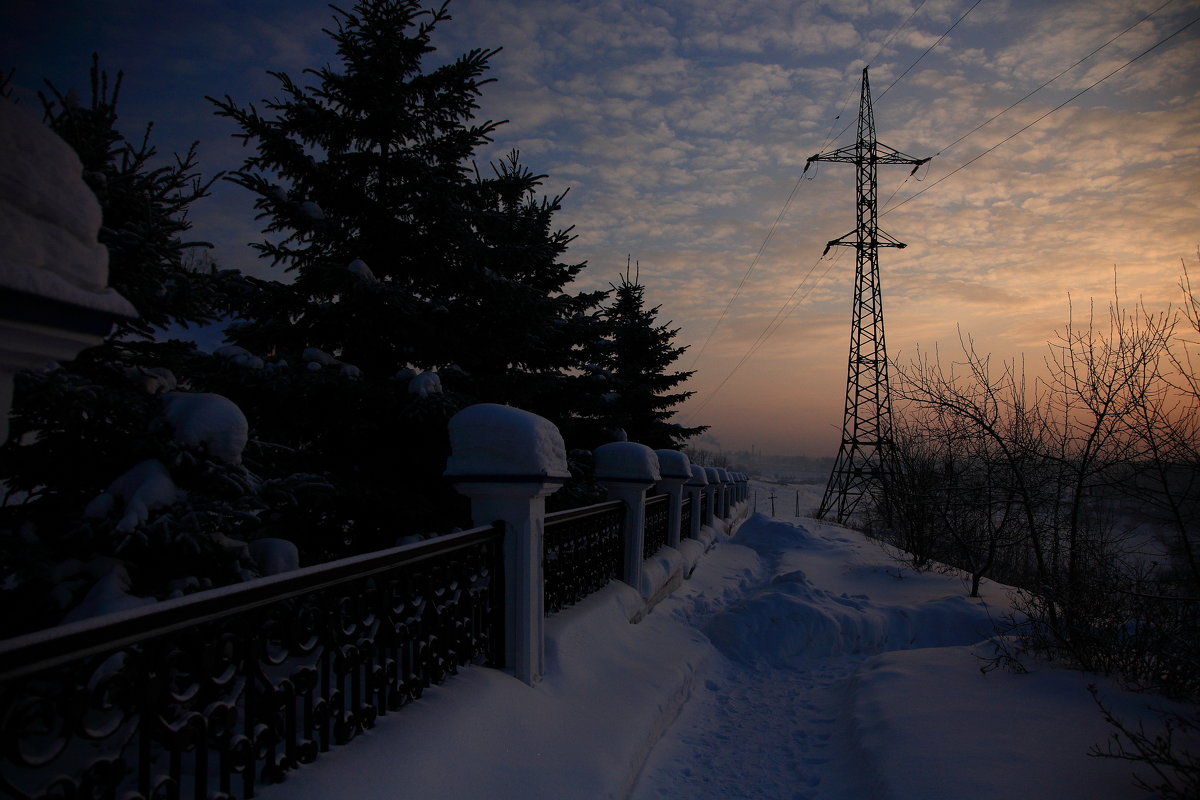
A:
(753, 263)
(769, 330)
(994, 117)
(795, 188)
(906, 71)
(1030, 94)
(850, 92)
(1024, 128)
(781, 316)
(928, 50)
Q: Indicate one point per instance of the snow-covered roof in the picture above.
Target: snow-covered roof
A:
(489, 439)
(49, 219)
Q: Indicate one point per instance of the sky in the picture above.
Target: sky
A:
(682, 129)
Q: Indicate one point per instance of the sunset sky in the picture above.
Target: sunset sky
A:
(682, 129)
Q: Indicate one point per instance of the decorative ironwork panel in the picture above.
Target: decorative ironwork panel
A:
(584, 549)
(210, 695)
(658, 520)
(685, 518)
(703, 506)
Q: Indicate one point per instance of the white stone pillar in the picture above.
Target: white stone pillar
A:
(723, 493)
(507, 461)
(710, 492)
(695, 488)
(54, 300)
(675, 470)
(626, 470)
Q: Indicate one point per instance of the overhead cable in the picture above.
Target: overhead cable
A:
(781, 316)
(928, 50)
(1026, 127)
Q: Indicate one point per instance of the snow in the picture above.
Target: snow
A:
(239, 356)
(673, 464)
(901, 697)
(141, 489)
(425, 384)
(491, 439)
(154, 380)
(360, 268)
(699, 476)
(209, 421)
(867, 687)
(49, 219)
(626, 461)
(315, 355)
(108, 595)
(274, 556)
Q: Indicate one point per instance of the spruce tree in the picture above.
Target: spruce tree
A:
(405, 257)
(403, 253)
(636, 377)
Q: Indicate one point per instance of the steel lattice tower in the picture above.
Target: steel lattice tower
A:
(864, 460)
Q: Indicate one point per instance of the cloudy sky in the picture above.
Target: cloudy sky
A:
(682, 128)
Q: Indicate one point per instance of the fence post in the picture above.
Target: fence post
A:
(695, 487)
(507, 461)
(626, 470)
(723, 491)
(54, 301)
(675, 469)
(710, 491)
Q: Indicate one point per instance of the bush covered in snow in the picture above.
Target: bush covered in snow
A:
(121, 482)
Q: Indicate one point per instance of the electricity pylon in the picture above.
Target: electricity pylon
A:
(865, 459)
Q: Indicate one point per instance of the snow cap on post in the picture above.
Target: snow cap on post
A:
(490, 440)
(712, 475)
(699, 476)
(53, 270)
(674, 464)
(723, 475)
(49, 219)
(626, 461)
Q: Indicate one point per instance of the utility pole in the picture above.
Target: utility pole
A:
(864, 462)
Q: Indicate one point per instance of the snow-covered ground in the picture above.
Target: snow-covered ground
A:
(799, 661)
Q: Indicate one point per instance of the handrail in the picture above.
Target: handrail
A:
(242, 684)
(557, 517)
(31, 652)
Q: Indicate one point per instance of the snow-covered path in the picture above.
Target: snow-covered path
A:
(798, 662)
(760, 731)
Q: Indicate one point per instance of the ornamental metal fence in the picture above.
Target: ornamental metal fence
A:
(658, 518)
(685, 518)
(210, 695)
(583, 550)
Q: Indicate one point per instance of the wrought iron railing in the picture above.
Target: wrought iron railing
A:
(658, 518)
(209, 695)
(703, 506)
(583, 550)
(685, 518)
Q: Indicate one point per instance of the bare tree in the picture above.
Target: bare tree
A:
(999, 475)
